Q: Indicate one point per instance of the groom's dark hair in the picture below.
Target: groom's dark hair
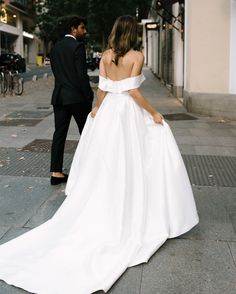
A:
(70, 21)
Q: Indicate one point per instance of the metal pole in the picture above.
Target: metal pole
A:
(146, 47)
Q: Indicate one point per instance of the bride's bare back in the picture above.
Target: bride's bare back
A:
(129, 65)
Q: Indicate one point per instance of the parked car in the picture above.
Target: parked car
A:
(13, 61)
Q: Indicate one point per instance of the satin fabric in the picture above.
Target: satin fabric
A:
(127, 193)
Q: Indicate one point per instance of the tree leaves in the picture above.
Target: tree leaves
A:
(101, 15)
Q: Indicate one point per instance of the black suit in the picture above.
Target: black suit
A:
(72, 94)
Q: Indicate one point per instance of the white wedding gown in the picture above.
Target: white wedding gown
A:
(128, 192)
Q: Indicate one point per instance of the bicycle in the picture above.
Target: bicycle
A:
(16, 83)
(3, 80)
(11, 81)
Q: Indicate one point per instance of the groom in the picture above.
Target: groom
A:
(72, 94)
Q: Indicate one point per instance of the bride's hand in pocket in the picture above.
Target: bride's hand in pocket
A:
(158, 118)
(94, 111)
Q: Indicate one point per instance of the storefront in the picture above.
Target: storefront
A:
(15, 24)
(194, 53)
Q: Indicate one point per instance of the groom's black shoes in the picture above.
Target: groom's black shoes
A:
(59, 180)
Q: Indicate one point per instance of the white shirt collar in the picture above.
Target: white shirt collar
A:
(69, 35)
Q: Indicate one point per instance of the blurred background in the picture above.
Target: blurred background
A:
(189, 45)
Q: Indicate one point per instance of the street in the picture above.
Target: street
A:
(40, 71)
(36, 70)
(202, 261)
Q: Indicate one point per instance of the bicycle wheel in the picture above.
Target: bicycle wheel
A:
(18, 85)
(10, 85)
(3, 83)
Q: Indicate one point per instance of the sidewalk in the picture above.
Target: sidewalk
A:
(203, 261)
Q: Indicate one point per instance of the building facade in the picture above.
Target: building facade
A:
(16, 25)
(194, 53)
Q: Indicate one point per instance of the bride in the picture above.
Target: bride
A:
(128, 190)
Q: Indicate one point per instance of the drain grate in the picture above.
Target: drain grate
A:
(44, 145)
(179, 116)
(29, 164)
(24, 118)
(203, 170)
(206, 170)
(28, 114)
(43, 107)
(19, 122)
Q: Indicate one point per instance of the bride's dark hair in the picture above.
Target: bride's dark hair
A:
(123, 36)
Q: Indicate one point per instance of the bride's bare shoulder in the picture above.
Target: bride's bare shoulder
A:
(107, 54)
(136, 55)
(139, 55)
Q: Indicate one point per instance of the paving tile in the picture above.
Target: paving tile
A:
(19, 122)
(200, 125)
(217, 124)
(13, 233)
(20, 197)
(232, 246)
(28, 114)
(13, 141)
(211, 132)
(215, 150)
(3, 230)
(233, 131)
(228, 196)
(187, 266)
(207, 141)
(129, 282)
(227, 141)
(48, 208)
(187, 149)
(180, 131)
(12, 130)
(7, 289)
(181, 124)
(214, 219)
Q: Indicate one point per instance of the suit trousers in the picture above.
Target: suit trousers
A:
(62, 118)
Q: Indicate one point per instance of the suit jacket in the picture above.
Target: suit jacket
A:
(68, 62)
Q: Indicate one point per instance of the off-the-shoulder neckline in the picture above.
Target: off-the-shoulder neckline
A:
(122, 79)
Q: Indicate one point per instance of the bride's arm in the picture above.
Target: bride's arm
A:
(142, 102)
(100, 96)
(100, 93)
(138, 97)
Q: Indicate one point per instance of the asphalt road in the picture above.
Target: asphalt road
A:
(39, 71)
